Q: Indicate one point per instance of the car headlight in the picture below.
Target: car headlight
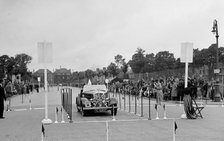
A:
(87, 104)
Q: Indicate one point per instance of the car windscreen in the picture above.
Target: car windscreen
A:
(88, 96)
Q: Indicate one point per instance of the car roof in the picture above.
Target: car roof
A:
(94, 89)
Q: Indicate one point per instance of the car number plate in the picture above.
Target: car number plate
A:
(102, 110)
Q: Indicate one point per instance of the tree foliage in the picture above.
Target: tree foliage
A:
(113, 69)
(21, 61)
(138, 61)
(207, 56)
(89, 73)
(150, 63)
(119, 60)
(164, 60)
(17, 65)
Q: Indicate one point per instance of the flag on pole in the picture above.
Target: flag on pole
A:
(56, 109)
(164, 106)
(43, 130)
(175, 127)
(156, 107)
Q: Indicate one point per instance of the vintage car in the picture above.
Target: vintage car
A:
(95, 98)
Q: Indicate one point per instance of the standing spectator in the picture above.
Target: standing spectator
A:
(194, 88)
(159, 91)
(205, 89)
(31, 87)
(27, 88)
(174, 90)
(180, 89)
(9, 94)
(2, 98)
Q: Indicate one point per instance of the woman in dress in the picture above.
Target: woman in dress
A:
(159, 92)
(188, 105)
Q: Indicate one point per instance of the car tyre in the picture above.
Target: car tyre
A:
(83, 112)
(78, 110)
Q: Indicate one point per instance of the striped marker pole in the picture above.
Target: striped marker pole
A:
(62, 116)
(142, 106)
(222, 103)
(180, 101)
(113, 119)
(201, 100)
(22, 98)
(56, 115)
(129, 98)
(157, 114)
(174, 130)
(149, 109)
(30, 102)
(135, 104)
(119, 98)
(42, 133)
(164, 114)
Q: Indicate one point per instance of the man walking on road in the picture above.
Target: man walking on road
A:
(2, 98)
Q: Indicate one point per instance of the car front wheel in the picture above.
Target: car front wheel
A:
(78, 110)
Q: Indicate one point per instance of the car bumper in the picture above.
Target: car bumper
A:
(99, 108)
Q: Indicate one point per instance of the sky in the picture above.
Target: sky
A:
(87, 34)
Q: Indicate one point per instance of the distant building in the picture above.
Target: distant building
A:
(62, 76)
(40, 73)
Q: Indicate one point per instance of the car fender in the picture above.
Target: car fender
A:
(83, 100)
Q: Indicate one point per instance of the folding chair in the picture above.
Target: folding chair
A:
(198, 109)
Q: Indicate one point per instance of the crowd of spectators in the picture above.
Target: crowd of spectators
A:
(18, 88)
(167, 89)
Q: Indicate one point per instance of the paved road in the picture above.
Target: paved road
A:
(23, 124)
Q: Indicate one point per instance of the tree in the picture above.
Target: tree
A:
(150, 63)
(206, 56)
(75, 76)
(138, 61)
(3, 65)
(179, 64)
(119, 60)
(81, 75)
(112, 69)
(164, 60)
(89, 73)
(105, 71)
(124, 67)
(10, 66)
(21, 61)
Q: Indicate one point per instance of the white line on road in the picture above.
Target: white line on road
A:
(19, 110)
(125, 120)
(107, 130)
(38, 108)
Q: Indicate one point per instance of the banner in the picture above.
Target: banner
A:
(186, 52)
(44, 52)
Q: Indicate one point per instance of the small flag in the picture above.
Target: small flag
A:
(164, 106)
(56, 109)
(175, 127)
(43, 130)
(156, 107)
